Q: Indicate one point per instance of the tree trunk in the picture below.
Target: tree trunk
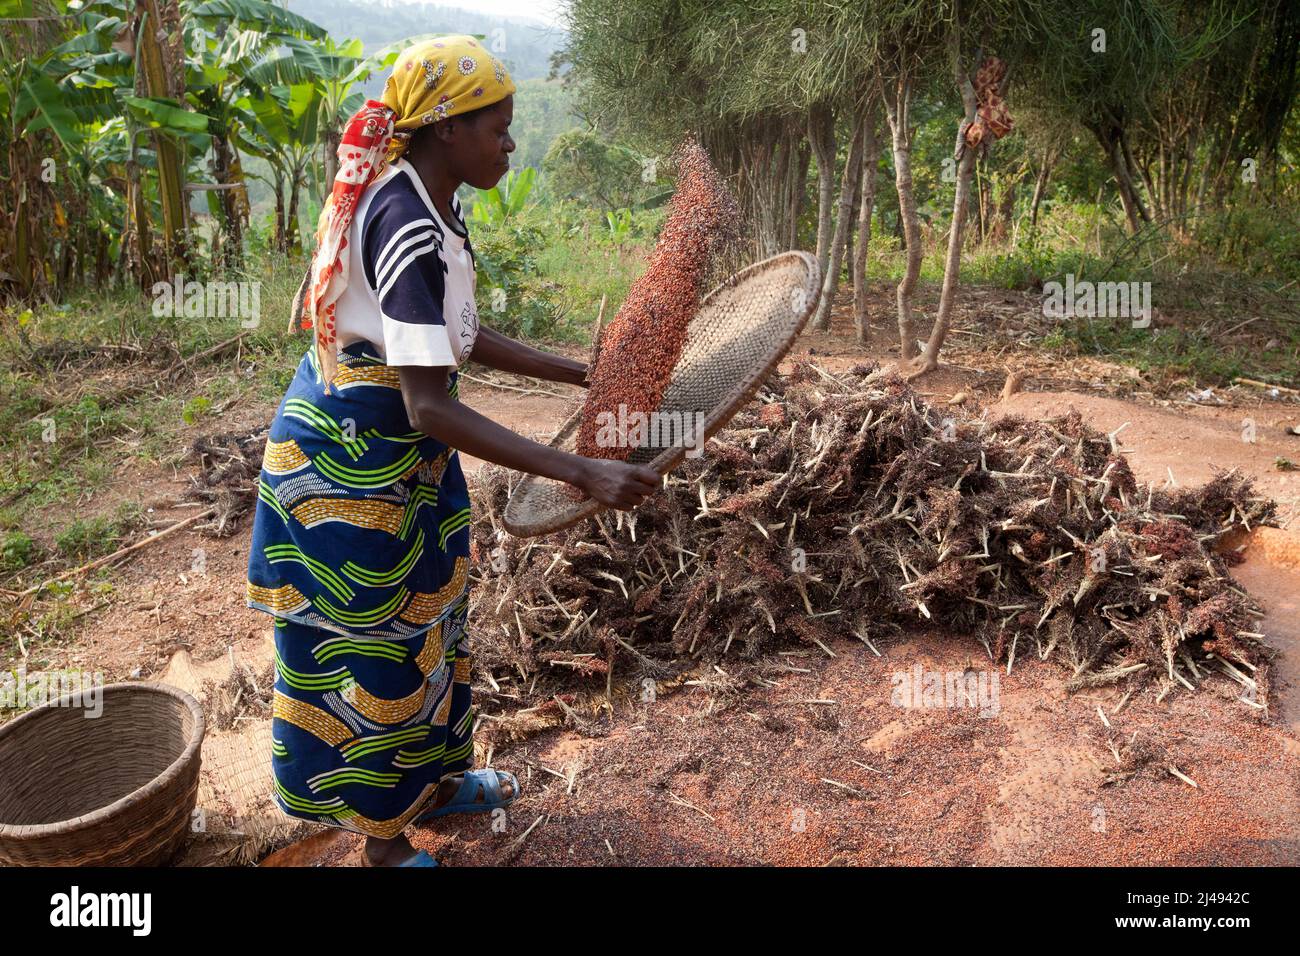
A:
(850, 240)
(843, 215)
(1040, 185)
(331, 148)
(101, 259)
(779, 205)
(821, 132)
(22, 249)
(897, 109)
(798, 190)
(757, 157)
(292, 240)
(121, 274)
(137, 245)
(67, 254)
(231, 218)
(867, 202)
(1185, 213)
(1109, 134)
(1144, 209)
(1123, 184)
(983, 199)
(966, 157)
(281, 241)
(157, 37)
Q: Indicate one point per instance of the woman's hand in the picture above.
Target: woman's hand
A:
(617, 484)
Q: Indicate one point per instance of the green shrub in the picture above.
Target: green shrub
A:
(85, 539)
(17, 552)
(1256, 237)
(515, 300)
(89, 538)
(195, 409)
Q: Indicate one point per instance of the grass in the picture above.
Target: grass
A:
(17, 550)
(573, 256)
(1214, 322)
(585, 274)
(88, 538)
(1179, 350)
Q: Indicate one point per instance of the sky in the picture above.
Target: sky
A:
(548, 11)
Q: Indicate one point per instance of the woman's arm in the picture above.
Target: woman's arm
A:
(504, 354)
(434, 412)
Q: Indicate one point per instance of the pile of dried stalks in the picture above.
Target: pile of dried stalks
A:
(849, 506)
(229, 467)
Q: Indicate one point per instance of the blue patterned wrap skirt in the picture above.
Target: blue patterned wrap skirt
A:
(360, 551)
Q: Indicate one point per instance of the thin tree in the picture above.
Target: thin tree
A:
(974, 134)
(866, 207)
(843, 217)
(896, 96)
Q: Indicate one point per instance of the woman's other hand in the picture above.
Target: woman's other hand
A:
(617, 484)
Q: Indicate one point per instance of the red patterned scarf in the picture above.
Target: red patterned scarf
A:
(363, 155)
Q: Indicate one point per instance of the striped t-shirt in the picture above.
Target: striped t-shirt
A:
(410, 291)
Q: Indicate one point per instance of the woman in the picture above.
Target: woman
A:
(361, 538)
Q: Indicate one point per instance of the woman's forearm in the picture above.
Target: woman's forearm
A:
(504, 354)
(459, 426)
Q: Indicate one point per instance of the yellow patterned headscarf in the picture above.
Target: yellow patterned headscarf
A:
(438, 78)
(431, 81)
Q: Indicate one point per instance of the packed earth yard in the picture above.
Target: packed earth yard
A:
(813, 752)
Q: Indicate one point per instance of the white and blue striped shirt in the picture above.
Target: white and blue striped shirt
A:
(411, 282)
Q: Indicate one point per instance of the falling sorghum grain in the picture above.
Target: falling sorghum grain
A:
(641, 346)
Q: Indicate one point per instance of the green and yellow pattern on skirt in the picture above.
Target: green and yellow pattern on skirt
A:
(360, 551)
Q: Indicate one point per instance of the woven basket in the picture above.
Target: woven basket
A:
(742, 329)
(112, 790)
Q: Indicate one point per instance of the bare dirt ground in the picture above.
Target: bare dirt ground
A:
(823, 768)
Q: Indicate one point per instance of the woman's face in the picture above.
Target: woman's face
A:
(481, 146)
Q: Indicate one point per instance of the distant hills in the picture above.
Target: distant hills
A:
(525, 46)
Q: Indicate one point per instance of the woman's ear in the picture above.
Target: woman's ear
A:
(445, 130)
(424, 137)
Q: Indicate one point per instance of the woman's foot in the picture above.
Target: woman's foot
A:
(392, 852)
(399, 850)
(449, 787)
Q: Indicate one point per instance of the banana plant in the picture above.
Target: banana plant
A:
(620, 224)
(236, 46)
(284, 132)
(338, 68)
(270, 18)
(505, 199)
(44, 115)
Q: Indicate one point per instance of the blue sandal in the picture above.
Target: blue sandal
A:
(420, 859)
(465, 800)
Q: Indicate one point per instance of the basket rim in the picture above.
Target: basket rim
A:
(32, 831)
(745, 389)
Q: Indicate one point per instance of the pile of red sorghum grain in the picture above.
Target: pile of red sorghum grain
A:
(641, 346)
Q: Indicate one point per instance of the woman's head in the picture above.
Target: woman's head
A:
(459, 99)
(473, 148)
